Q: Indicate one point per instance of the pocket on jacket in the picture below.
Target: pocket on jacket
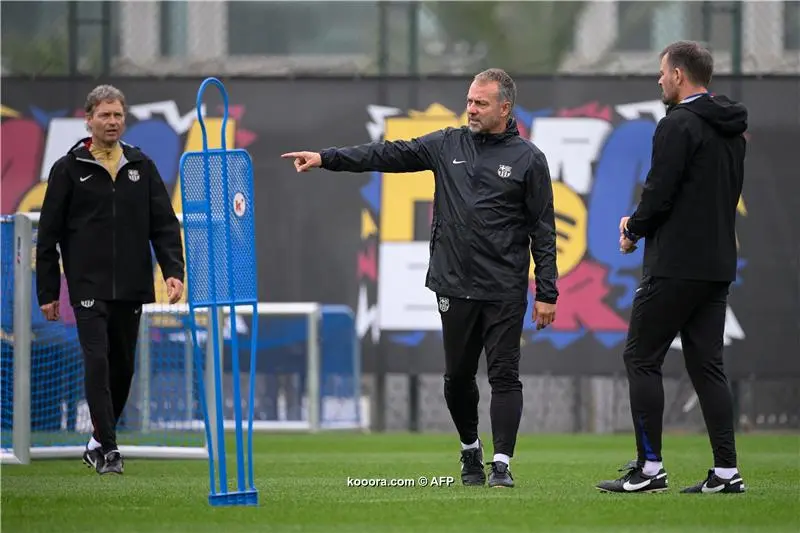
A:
(446, 257)
(645, 286)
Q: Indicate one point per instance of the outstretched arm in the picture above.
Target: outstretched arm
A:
(414, 155)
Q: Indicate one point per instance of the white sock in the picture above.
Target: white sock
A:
(93, 444)
(651, 468)
(726, 473)
(503, 458)
(475, 444)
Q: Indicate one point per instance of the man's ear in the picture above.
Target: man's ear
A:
(679, 75)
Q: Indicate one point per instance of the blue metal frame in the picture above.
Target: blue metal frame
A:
(246, 494)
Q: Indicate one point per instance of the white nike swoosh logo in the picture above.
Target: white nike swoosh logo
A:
(458, 162)
(706, 489)
(86, 177)
(635, 486)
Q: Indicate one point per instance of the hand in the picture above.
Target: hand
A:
(304, 161)
(174, 289)
(51, 311)
(626, 246)
(543, 314)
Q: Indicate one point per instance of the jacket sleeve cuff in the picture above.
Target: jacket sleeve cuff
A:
(546, 299)
(46, 298)
(326, 157)
(632, 231)
(176, 273)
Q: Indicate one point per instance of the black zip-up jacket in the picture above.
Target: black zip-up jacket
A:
(492, 209)
(104, 229)
(687, 212)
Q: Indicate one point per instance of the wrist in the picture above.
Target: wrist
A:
(324, 157)
(629, 234)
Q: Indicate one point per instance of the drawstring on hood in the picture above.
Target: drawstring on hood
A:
(724, 115)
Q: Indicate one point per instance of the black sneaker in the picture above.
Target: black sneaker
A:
(635, 480)
(112, 463)
(500, 475)
(93, 458)
(713, 483)
(472, 472)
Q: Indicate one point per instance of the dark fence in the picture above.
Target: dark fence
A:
(361, 240)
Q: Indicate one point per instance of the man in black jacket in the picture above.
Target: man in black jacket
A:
(493, 207)
(687, 216)
(105, 203)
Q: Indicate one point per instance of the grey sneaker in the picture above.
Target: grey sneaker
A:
(500, 475)
(112, 463)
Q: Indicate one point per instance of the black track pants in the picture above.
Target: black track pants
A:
(107, 332)
(468, 327)
(662, 308)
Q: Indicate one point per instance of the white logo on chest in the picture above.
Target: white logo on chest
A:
(504, 171)
(133, 175)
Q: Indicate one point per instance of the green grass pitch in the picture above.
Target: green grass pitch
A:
(302, 483)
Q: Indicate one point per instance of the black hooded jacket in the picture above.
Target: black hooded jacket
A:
(492, 209)
(687, 212)
(104, 229)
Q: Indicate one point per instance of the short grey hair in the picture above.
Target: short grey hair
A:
(103, 93)
(508, 89)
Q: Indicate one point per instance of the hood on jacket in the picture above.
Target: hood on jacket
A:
(724, 115)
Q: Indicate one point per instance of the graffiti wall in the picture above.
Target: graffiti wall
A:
(362, 239)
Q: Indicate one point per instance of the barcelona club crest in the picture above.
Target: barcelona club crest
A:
(504, 171)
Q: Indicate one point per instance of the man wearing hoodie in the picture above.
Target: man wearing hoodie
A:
(104, 205)
(686, 216)
(492, 210)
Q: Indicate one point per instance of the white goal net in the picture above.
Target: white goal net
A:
(307, 370)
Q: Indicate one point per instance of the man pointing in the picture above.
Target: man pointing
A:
(493, 208)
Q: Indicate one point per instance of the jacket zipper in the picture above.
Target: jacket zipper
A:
(113, 222)
(475, 184)
(114, 231)
(113, 239)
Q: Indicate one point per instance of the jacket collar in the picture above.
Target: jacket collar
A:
(80, 150)
(511, 131)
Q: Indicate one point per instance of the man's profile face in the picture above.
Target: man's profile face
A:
(669, 81)
(485, 112)
(107, 121)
